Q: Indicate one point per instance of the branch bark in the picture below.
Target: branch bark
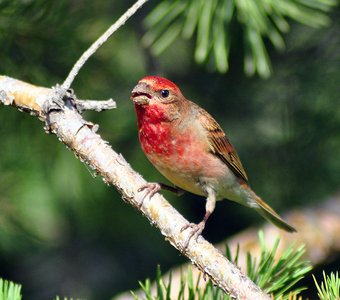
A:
(319, 228)
(79, 136)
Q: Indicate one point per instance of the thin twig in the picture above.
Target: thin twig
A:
(100, 41)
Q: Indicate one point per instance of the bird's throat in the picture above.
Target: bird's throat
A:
(155, 130)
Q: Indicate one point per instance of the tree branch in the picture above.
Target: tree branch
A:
(100, 41)
(322, 221)
(70, 128)
(95, 105)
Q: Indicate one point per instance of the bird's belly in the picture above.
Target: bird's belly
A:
(182, 172)
(194, 173)
(183, 180)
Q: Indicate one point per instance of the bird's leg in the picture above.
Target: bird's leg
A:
(196, 229)
(151, 188)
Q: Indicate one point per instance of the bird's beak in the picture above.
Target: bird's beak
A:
(140, 95)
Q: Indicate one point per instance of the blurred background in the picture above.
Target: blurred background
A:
(63, 232)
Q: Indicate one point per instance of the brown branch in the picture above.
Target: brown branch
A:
(319, 228)
(79, 136)
(25, 96)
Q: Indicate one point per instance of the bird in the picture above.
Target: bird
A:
(189, 148)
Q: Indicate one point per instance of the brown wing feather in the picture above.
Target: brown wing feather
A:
(220, 145)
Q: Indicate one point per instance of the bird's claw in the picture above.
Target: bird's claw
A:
(196, 230)
(150, 190)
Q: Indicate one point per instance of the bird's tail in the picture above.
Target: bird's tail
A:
(267, 212)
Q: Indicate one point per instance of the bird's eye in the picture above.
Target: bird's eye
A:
(164, 93)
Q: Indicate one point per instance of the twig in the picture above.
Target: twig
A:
(73, 131)
(100, 41)
(95, 105)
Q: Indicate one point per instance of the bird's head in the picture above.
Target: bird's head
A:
(158, 96)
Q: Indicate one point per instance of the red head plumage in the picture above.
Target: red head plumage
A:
(160, 83)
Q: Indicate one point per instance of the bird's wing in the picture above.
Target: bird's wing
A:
(220, 145)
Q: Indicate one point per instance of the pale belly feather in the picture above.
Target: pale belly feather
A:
(192, 175)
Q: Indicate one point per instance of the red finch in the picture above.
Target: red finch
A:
(190, 149)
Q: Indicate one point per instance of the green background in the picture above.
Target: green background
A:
(64, 232)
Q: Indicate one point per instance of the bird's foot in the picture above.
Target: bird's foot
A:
(150, 189)
(196, 230)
